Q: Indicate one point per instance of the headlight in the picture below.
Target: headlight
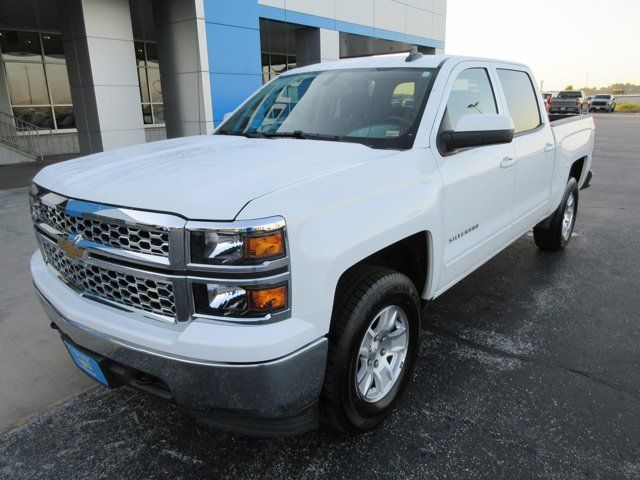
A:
(240, 302)
(240, 269)
(251, 243)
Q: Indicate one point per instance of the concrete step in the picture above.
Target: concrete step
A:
(10, 155)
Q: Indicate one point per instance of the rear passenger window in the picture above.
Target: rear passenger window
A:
(471, 95)
(521, 99)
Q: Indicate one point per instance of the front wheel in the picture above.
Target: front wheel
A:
(373, 345)
(554, 233)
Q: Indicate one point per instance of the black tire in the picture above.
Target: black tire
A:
(362, 294)
(548, 234)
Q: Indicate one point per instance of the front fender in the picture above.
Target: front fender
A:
(335, 221)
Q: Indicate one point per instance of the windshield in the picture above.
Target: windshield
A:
(570, 95)
(380, 108)
(603, 97)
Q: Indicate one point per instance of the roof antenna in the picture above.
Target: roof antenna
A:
(413, 55)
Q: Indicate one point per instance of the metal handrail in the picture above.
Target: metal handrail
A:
(21, 135)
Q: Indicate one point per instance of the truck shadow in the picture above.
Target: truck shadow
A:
(473, 336)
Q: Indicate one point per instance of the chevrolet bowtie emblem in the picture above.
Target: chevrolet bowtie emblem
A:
(71, 249)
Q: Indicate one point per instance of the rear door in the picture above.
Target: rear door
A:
(533, 144)
(478, 182)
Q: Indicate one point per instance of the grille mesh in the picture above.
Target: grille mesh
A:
(152, 242)
(144, 294)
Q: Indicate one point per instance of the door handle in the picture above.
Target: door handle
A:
(549, 147)
(507, 162)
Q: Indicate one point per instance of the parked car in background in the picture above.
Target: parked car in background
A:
(272, 275)
(603, 102)
(569, 101)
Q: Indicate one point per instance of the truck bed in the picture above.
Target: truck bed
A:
(560, 117)
(574, 136)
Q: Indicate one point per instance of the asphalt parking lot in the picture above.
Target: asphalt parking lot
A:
(529, 368)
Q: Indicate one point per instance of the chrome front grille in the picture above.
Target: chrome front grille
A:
(133, 291)
(137, 260)
(123, 257)
(149, 241)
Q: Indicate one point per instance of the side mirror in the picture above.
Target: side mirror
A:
(226, 116)
(479, 130)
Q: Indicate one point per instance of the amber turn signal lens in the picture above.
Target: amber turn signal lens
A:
(270, 299)
(264, 246)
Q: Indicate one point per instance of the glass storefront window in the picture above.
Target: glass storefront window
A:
(37, 78)
(146, 114)
(155, 87)
(273, 64)
(278, 47)
(52, 46)
(27, 84)
(158, 113)
(41, 117)
(59, 84)
(21, 46)
(64, 117)
(150, 85)
(144, 87)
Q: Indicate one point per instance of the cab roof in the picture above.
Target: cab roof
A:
(395, 60)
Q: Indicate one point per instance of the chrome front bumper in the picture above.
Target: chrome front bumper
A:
(274, 398)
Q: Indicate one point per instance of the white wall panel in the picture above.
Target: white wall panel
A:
(117, 71)
(107, 18)
(439, 26)
(421, 4)
(419, 22)
(355, 11)
(321, 8)
(329, 45)
(440, 6)
(390, 15)
(272, 3)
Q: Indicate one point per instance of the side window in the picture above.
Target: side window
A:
(521, 99)
(471, 94)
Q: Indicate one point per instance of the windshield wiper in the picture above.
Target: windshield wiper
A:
(254, 135)
(304, 136)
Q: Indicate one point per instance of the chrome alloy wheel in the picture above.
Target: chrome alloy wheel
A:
(568, 217)
(382, 354)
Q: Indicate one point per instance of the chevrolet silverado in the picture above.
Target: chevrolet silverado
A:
(272, 275)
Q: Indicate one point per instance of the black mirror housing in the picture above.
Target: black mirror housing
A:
(454, 140)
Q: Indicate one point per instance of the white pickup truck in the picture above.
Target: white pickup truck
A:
(271, 275)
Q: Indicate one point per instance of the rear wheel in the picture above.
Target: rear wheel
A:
(373, 345)
(554, 233)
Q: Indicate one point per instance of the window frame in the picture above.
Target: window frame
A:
(146, 67)
(541, 121)
(43, 62)
(449, 89)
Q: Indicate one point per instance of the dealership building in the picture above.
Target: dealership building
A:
(93, 75)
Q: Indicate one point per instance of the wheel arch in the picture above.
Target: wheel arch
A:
(577, 169)
(411, 256)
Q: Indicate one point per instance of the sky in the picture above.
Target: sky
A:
(599, 39)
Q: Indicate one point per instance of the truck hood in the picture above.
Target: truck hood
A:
(202, 178)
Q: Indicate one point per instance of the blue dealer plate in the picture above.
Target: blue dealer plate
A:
(87, 364)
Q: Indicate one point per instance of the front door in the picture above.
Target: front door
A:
(478, 182)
